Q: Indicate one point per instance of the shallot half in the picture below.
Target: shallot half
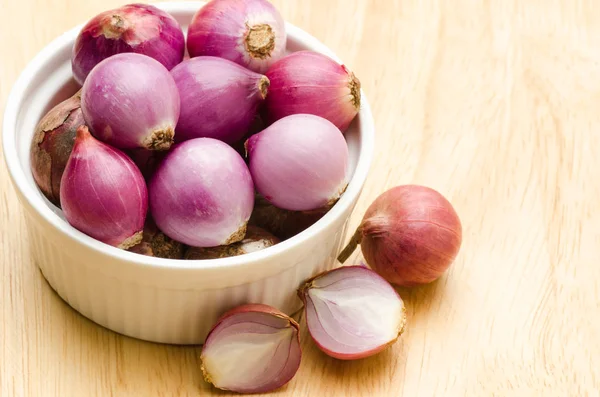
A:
(410, 235)
(219, 98)
(131, 101)
(253, 348)
(102, 192)
(139, 28)
(52, 144)
(201, 194)
(283, 223)
(352, 312)
(309, 82)
(299, 163)
(248, 32)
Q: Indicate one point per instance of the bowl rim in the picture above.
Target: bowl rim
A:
(36, 202)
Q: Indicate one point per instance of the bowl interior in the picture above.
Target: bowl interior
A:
(48, 80)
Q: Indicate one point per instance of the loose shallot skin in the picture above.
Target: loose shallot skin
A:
(248, 32)
(312, 83)
(139, 28)
(283, 223)
(155, 243)
(256, 239)
(201, 194)
(103, 193)
(52, 145)
(219, 98)
(131, 101)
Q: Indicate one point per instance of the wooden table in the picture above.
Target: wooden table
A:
(494, 103)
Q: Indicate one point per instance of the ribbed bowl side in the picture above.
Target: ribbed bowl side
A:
(156, 314)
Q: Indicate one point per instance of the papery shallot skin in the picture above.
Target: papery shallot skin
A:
(256, 239)
(312, 83)
(248, 32)
(155, 243)
(139, 28)
(410, 235)
(52, 145)
(283, 223)
(131, 101)
(202, 194)
(219, 99)
(103, 194)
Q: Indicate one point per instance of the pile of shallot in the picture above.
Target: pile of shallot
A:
(228, 151)
(223, 152)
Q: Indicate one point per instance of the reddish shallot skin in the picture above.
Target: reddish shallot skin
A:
(248, 32)
(139, 28)
(219, 98)
(52, 144)
(410, 235)
(312, 83)
(255, 319)
(201, 194)
(103, 193)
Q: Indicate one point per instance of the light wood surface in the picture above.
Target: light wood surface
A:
(493, 103)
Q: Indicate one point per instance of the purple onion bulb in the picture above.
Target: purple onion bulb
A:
(139, 28)
(248, 32)
(309, 82)
(103, 193)
(202, 194)
(219, 98)
(299, 163)
(131, 101)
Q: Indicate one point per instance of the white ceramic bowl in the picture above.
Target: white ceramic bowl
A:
(154, 299)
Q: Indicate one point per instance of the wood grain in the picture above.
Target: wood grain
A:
(493, 103)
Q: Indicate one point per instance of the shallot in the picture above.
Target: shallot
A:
(248, 32)
(352, 312)
(201, 194)
(219, 98)
(139, 28)
(131, 101)
(410, 235)
(299, 163)
(52, 144)
(309, 82)
(102, 192)
(253, 348)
